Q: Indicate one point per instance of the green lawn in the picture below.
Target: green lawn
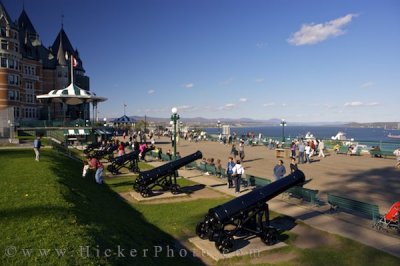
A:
(47, 205)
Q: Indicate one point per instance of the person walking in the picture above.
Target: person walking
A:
(279, 170)
(397, 154)
(36, 147)
(293, 165)
(98, 166)
(301, 151)
(238, 171)
(293, 149)
(234, 151)
(321, 147)
(229, 172)
(241, 150)
(308, 152)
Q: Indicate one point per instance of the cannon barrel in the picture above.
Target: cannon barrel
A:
(252, 199)
(148, 177)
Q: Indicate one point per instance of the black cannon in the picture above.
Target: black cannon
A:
(129, 161)
(245, 214)
(107, 151)
(163, 176)
(91, 147)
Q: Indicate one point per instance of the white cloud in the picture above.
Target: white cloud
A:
(367, 84)
(360, 104)
(184, 107)
(228, 106)
(315, 33)
(151, 91)
(260, 80)
(188, 85)
(243, 100)
(268, 104)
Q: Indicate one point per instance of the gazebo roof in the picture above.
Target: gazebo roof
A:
(72, 95)
(124, 119)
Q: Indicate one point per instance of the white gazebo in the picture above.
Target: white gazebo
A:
(72, 95)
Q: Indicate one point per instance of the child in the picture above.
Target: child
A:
(85, 168)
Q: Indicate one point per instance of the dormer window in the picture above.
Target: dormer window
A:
(3, 32)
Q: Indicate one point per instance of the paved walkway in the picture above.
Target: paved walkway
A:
(350, 226)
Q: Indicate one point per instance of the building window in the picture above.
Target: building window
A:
(4, 44)
(13, 95)
(3, 62)
(11, 63)
(16, 47)
(3, 32)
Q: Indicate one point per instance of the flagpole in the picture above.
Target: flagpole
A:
(72, 69)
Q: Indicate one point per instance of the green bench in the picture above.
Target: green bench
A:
(343, 150)
(257, 181)
(306, 194)
(353, 206)
(381, 153)
(192, 165)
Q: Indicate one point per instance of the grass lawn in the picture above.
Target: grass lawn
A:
(47, 205)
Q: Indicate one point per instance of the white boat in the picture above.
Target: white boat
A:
(393, 136)
(309, 136)
(340, 136)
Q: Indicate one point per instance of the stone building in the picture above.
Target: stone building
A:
(28, 68)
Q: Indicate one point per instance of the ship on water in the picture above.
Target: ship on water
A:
(393, 136)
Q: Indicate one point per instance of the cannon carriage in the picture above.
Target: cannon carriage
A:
(107, 152)
(247, 214)
(129, 161)
(163, 176)
(91, 147)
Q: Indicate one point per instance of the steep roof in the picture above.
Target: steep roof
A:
(61, 46)
(25, 23)
(4, 13)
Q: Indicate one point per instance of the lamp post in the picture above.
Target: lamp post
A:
(105, 121)
(219, 127)
(283, 124)
(174, 119)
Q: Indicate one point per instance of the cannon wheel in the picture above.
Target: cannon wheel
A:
(175, 189)
(136, 186)
(145, 192)
(270, 236)
(224, 244)
(201, 230)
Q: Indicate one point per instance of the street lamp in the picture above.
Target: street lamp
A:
(283, 124)
(174, 119)
(219, 127)
(105, 121)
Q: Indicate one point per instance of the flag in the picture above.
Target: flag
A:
(74, 62)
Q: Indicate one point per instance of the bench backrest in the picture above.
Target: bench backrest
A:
(350, 205)
(309, 195)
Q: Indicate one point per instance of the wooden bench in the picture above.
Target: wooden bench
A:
(306, 194)
(353, 206)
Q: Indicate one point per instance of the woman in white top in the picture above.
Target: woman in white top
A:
(238, 171)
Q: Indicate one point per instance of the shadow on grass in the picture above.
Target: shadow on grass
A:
(113, 223)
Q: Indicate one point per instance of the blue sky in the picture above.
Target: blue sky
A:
(304, 60)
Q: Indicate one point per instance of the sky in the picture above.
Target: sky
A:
(298, 60)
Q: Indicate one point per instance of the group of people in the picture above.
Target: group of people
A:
(307, 149)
